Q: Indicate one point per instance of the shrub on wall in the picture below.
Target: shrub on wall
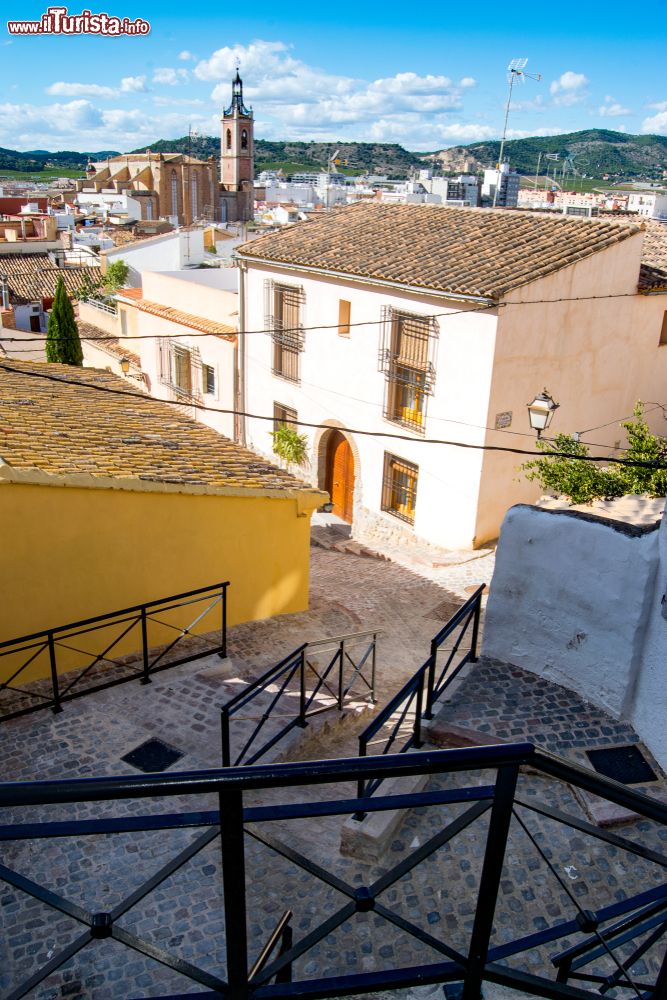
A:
(582, 482)
(289, 445)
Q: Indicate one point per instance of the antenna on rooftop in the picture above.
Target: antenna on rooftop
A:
(515, 71)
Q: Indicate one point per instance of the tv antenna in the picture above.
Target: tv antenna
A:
(515, 71)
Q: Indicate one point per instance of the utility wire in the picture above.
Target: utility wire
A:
(144, 397)
(335, 326)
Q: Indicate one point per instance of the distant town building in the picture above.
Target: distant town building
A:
(506, 182)
(651, 204)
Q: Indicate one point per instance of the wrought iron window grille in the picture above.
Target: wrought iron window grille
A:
(399, 488)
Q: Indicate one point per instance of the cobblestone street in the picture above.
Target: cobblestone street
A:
(183, 914)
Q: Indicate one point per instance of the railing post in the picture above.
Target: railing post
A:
(144, 646)
(419, 705)
(56, 707)
(341, 670)
(223, 651)
(233, 879)
(361, 784)
(494, 856)
(475, 629)
(302, 690)
(373, 666)
(430, 682)
(224, 736)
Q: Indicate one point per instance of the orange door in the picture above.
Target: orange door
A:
(340, 476)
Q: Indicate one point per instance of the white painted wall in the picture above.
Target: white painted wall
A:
(569, 601)
(342, 386)
(648, 697)
(171, 252)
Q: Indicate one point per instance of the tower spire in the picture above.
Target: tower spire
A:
(237, 98)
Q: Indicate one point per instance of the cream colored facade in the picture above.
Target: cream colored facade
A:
(584, 332)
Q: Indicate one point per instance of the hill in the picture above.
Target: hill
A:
(593, 152)
(355, 157)
(36, 160)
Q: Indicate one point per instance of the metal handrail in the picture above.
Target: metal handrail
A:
(282, 932)
(53, 641)
(421, 690)
(283, 672)
(234, 819)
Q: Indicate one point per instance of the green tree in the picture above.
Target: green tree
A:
(62, 338)
(582, 481)
(115, 276)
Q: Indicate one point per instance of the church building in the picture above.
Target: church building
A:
(178, 187)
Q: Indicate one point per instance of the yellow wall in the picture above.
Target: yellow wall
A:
(70, 553)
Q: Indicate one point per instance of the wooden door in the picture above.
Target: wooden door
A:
(340, 476)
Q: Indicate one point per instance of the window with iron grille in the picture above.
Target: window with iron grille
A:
(281, 416)
(180, 368)
(407, 358)
(399, 488)
(284, 307)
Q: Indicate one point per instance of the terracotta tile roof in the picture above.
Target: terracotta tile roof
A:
(177, 316)
(87, 331)
(33, 276)
(478, 252)
(63, 425)
(653, 274)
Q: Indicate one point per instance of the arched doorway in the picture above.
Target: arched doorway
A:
(340, 475)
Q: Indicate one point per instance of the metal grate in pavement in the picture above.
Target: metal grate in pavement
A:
(151, 756)
(626, 764)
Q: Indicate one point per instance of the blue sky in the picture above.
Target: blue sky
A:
(427, 76)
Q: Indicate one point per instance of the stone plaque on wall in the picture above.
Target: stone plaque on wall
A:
(503, 420)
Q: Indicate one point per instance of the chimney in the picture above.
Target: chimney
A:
(4, 293)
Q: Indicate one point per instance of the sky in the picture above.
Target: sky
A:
(425, 76)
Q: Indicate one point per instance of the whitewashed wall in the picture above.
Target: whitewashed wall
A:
(579, 601)
(342, 386)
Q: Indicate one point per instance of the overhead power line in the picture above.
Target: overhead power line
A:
(330, 326)
(143, 397)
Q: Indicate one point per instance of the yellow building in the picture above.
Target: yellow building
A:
(110, 499)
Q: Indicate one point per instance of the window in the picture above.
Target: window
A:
(663, 332)
(344, 318)
(281, 414)
(194, 196)
(399, 488)
(228, 138)
(244, 139)
(208, 380)
(284, 320)
(407, 357)
(182, 370)
(174, 193)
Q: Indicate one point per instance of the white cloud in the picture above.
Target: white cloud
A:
(181, 102)
(657, 123)
(62, 89)
(169, 76)
(612, 108)
(468, 81)
(187, 56)
(569, 89)
(133, 84)
(658, 106)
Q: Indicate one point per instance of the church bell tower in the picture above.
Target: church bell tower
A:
(236, 142)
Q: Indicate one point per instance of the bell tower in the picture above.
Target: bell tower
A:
(236, 142)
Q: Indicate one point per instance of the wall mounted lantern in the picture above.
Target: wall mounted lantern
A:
(540, 412)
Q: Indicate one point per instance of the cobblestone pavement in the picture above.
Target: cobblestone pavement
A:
(184, 914)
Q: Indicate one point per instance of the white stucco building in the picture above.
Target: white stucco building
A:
(420, 323)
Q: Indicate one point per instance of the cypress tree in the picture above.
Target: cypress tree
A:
(62, 338)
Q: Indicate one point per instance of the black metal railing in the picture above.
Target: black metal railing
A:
(499, 816)
(397, 727)
(298, 688)
(47, 669)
